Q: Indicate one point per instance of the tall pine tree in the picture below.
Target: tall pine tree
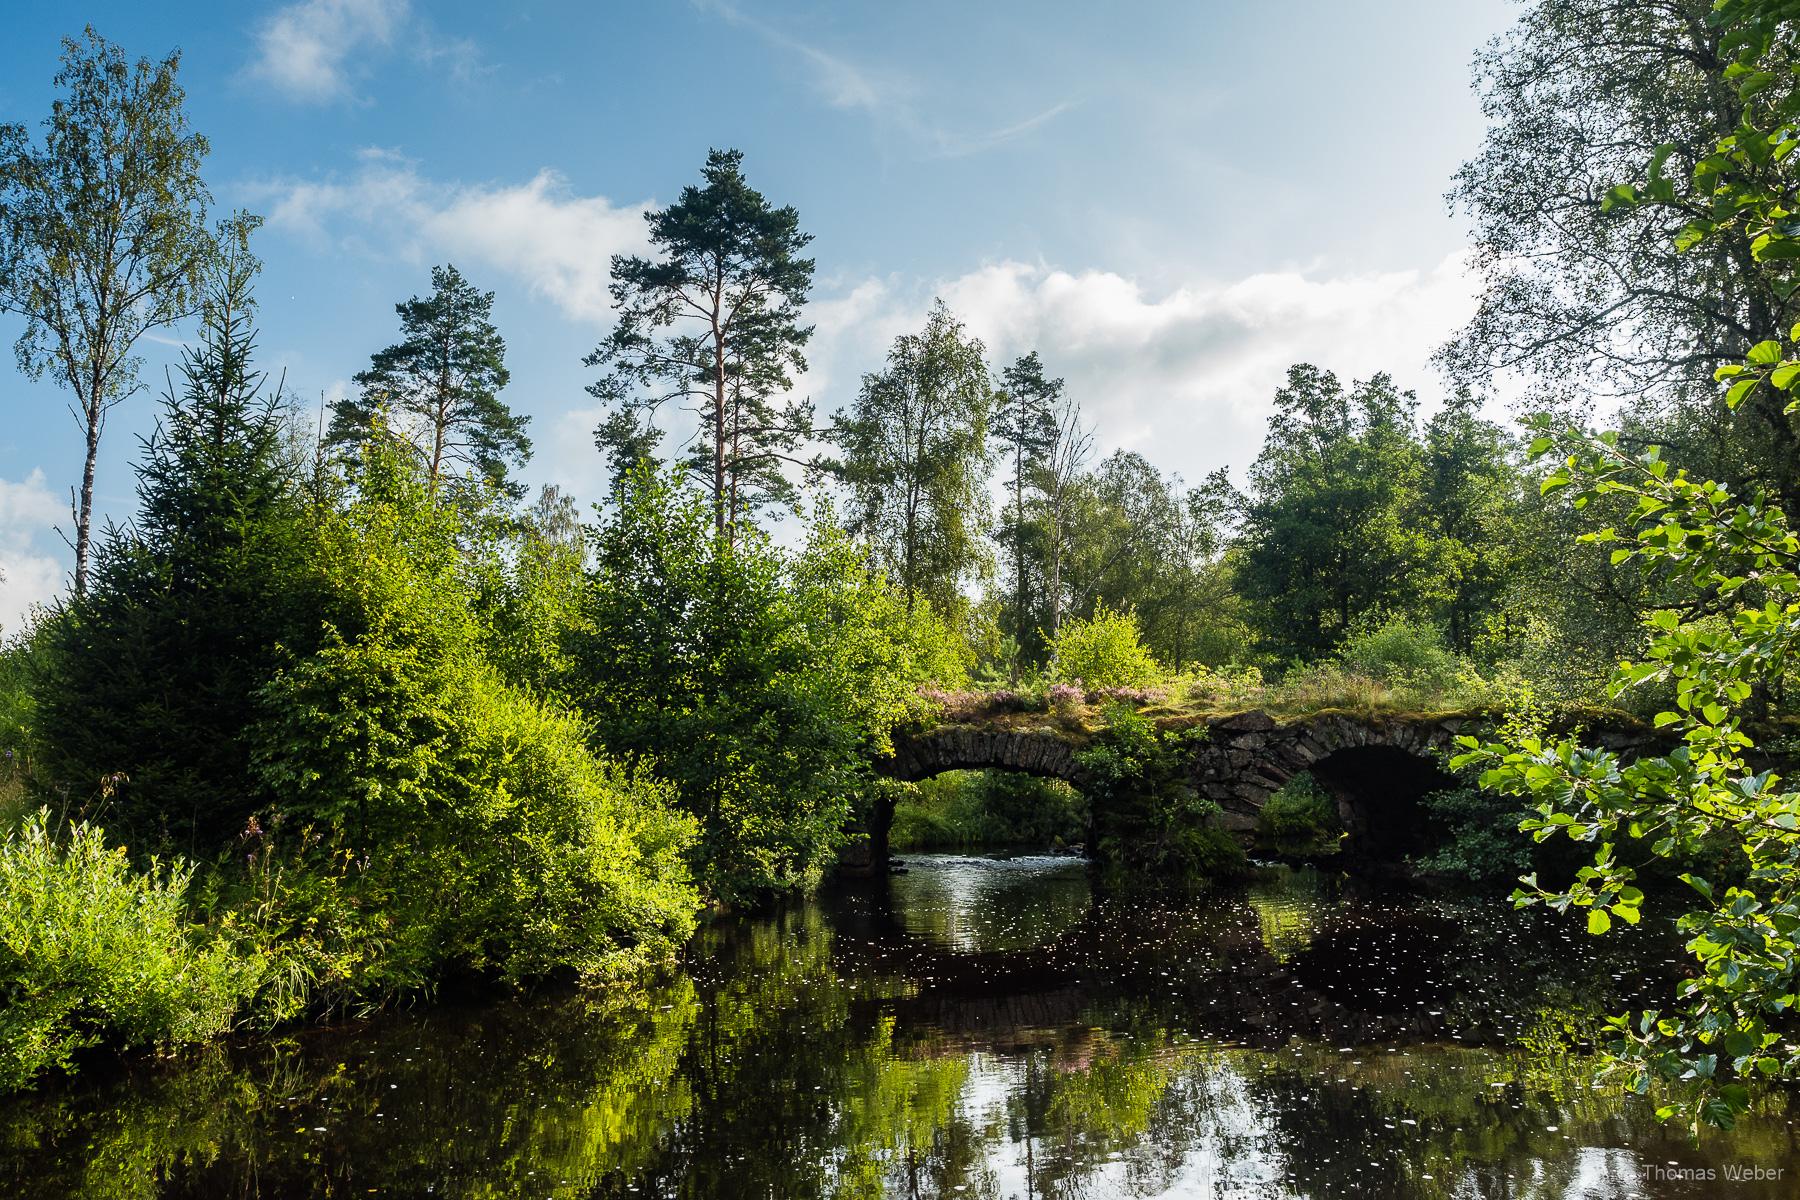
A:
(712, 323)
(1025, 427)
(440, 386)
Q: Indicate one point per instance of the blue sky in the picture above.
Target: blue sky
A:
(1172, 201)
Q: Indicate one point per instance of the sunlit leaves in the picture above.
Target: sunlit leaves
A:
(1701, 790)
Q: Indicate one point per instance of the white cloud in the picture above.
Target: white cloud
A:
(1187, 377)
(540, 232)
(28, 573)
(304, 50)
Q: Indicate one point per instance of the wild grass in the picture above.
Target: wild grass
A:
(94, 952)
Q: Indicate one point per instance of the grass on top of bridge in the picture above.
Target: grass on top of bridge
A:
(1205, 695)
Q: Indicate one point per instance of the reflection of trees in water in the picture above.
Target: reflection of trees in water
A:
(487, 1102)
(989, 908)
(828, 1052)
(1448, 1121)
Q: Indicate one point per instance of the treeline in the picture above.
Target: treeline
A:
(335, 720)
(356, 717)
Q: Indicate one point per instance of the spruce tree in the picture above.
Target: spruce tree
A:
(154, 673)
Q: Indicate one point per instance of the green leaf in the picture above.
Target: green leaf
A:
(1765, 354)
(1598, 921)
(1698, 884)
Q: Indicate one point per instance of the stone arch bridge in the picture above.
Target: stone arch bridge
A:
(1376, 768)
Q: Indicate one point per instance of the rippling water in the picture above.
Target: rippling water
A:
(979, 1028)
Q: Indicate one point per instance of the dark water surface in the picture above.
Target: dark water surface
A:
(981, 1029)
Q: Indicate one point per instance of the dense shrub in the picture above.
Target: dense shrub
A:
(94, 951)
(1402, 653)
(484, 834)
(18, 720)
(1300, 817)
(149, 678)
(1152, 829)
(759, 682)
(1480, 838)
(1103, 651)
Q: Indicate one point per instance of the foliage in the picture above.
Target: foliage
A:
(479, 827)
(1727, 1025)
(968, 810)
(1480, 840)
(1355, 513)
(1139, 539)
(1300, 817)
(532, 598)
(150, 678)
(440, 387)
(1638, 290)
(1103, 651)
(1152, 830)
(18, 725)
(103, 234)
(95, 952)
(1402, 653)
(712, 324)
(758, 682)
(1025, 427)
(916, 461)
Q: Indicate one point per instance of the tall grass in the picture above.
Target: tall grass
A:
(94, 952)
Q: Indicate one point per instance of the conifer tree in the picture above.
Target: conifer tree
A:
(440, 384)
(712, 324)
(1025, 426)
(154, 673)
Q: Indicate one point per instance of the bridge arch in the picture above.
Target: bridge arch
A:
(1377, 767)
(1041, 752)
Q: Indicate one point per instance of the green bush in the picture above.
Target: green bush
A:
(1481, 838)
(1402, 653)
(756, 680)
(1103, 651)
(1300, 817)
(1152, 829)
(481, 832)
(94, 952)
(967, 810)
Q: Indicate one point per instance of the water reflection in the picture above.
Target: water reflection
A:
(974, 1031)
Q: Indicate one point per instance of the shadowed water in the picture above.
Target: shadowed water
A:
(975, 1029)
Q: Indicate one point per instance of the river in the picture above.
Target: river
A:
(978, 1028)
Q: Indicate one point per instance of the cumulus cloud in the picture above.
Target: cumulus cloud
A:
(1185, 377)
(305, 50)
(540, 232)
(314, 51)
(29, 573)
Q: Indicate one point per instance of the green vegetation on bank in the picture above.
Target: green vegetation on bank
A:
(338, 716)
(977, 810)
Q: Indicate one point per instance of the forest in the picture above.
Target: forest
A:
(343, 716)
